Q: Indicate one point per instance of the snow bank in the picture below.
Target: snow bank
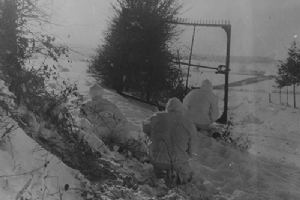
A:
(29, 171)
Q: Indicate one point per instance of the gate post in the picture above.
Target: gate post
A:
(227, 27)
(190, 60)
(224, 118)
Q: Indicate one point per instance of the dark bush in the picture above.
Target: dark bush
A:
(136, 54)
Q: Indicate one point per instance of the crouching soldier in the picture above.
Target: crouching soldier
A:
(202, 106)
(171, 136)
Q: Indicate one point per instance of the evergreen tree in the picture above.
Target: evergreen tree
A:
(293, 65)
(135, 54)
(289, 70)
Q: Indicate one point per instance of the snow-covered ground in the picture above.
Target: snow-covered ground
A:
(27, 171)
(272, 165)
(273, 129)
(251, 112)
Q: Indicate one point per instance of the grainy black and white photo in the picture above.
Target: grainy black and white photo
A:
(149, 100)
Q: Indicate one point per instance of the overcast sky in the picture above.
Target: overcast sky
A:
(259, 27)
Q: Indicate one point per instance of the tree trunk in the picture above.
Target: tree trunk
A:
(294, 93)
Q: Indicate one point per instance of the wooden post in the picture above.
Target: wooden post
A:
(294, 93)
(287, 95)
(223, 119)
(178, 59)
(270, 100)
(190, 60)
(280, 95)
(179, 64)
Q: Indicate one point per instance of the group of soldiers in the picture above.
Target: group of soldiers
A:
(174, 133)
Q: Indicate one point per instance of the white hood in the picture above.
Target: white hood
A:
(174, 105)
(96, 91)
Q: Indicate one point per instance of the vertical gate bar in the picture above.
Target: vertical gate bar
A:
(178, 59)
(190, 59)
(227, 73)
(224, 118)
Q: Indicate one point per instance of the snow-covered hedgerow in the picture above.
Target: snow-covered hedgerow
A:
(31, 167)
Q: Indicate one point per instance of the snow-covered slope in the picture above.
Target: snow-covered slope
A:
(28, 171)
(270, 171)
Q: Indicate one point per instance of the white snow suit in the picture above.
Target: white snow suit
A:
(106, 119)
(171, 133)
(202, 105)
